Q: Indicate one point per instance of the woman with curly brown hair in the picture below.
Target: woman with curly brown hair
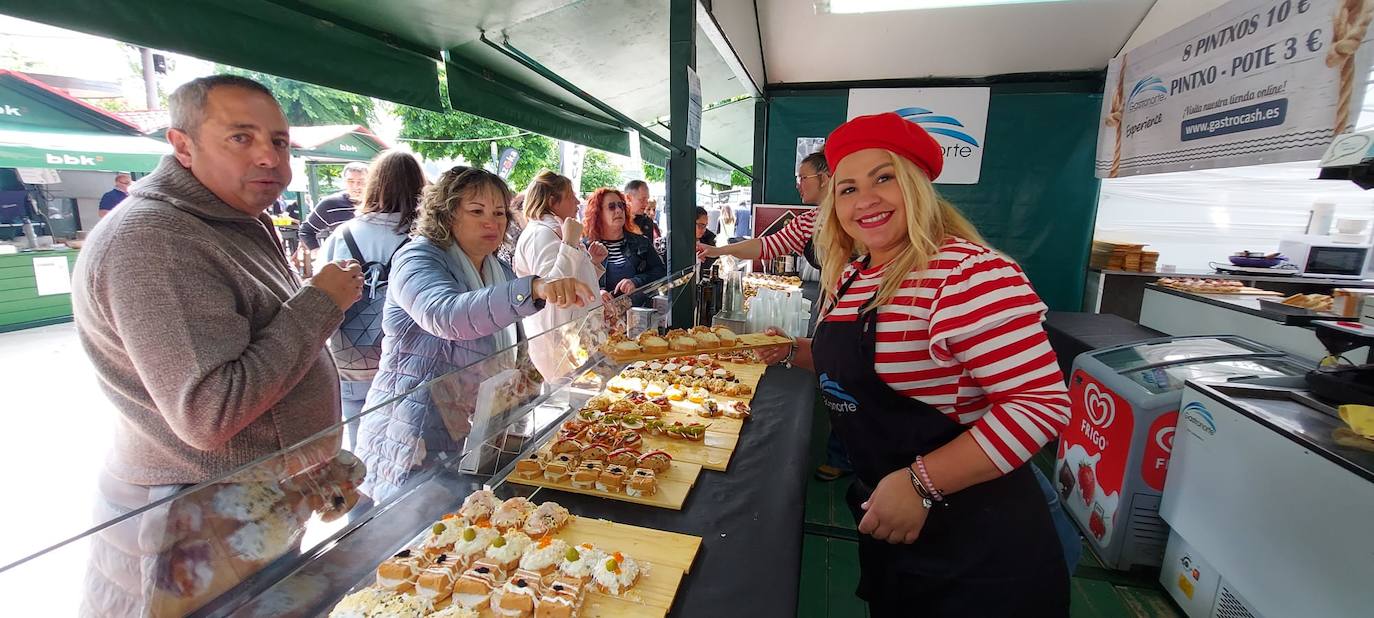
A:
(631, 261)
(451, 303)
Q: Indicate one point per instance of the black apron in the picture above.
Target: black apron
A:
(991, 552)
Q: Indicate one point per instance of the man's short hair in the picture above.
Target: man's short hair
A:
(635, 185)
(118, 174)
(187, 103)
(817, 162)
(355, 166)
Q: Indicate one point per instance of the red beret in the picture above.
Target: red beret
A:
(889, 132)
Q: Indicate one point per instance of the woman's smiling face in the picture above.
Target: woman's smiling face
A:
(869, 203)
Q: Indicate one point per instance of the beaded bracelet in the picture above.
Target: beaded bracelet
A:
(920, 491)
(935, 494)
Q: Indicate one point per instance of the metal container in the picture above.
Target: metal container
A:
(640, 319)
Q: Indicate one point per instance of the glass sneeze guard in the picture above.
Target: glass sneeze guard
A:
(293, 532)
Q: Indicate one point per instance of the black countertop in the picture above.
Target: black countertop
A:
(1211, 274)
(1283, 412)
(1244, 303)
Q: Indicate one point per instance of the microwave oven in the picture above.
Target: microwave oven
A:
(1317, 256)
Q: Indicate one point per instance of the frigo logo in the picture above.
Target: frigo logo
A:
(948, 126)
(1101, 407)
(1147, 92)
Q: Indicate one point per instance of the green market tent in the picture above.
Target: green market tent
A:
(618, 52)
(335, 143)
(43, 127)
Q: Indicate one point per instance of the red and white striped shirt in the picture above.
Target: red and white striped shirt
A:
(965, 337)
(792, 237)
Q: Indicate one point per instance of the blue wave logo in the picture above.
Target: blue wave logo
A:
(1199, 417)
(936, 124)
(833, 388)
(1147, 92)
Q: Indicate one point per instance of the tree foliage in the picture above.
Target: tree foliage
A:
(598, 171)
(654, 173)
(740, 180)
(307, 105)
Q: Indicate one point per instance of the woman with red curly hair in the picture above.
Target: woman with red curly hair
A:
(631, 261)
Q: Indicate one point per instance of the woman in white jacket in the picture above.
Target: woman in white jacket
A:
(551, 247)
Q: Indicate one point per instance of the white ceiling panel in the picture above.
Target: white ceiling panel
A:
(802, 45)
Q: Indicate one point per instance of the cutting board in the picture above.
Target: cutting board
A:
(748, 341)
(673, 487)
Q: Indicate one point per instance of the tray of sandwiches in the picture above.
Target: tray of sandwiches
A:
(604, 458)
(520, 559)
(1302, 309)
(1197, 285)
(677, 342)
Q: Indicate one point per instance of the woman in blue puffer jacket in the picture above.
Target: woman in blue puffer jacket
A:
(451, 303)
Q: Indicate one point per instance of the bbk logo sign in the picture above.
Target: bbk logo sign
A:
(956, 117)
(10, 110)
(66, 159)
(348, 148)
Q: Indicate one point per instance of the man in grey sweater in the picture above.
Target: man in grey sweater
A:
(207, 343)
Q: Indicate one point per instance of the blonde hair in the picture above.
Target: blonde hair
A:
(544, 191)
(442, 199)
(930, 219)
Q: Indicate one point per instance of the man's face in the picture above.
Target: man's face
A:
(241, 152)
(122, 182)
(354, 181)
(639, 200)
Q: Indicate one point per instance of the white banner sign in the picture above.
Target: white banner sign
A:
(1251, 82)
(956, 117)
(52, 275)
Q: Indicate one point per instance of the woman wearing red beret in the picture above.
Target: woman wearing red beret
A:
(941, 383)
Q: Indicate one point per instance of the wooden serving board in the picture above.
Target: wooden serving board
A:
(668, 556)
(1245, 291)
(712, 453)
(673, 487)
(747, 341)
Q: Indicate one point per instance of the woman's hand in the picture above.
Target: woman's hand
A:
(598, 252)
(563, 292)
(625, 286)
(572, 231)
(776, 353)
(894, 513)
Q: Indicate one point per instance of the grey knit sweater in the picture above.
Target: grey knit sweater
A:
(201, 335)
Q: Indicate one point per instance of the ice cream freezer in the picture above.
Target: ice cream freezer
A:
(1113, 457)
(1268, 510)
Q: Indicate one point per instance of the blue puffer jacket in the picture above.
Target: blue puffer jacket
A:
(433, 324)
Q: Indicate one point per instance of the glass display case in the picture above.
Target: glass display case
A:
(294, 532)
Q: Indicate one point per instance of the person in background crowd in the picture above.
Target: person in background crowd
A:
(705, 237)
(727, 222)
(386, 213)
(116, 195)
(813, 175)
(451, 303)
(744, 221)
(951, 520)
(208, 346)
(517, 225)
(551, 247)
(631, 261)
(713, 219)
(335, 209)
(638, 219)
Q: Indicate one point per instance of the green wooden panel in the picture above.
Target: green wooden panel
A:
(843, 580)
(1094, 599)
(812, 114)
(812, 590)
(25, 282)
(34, 315)
(61, 302)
